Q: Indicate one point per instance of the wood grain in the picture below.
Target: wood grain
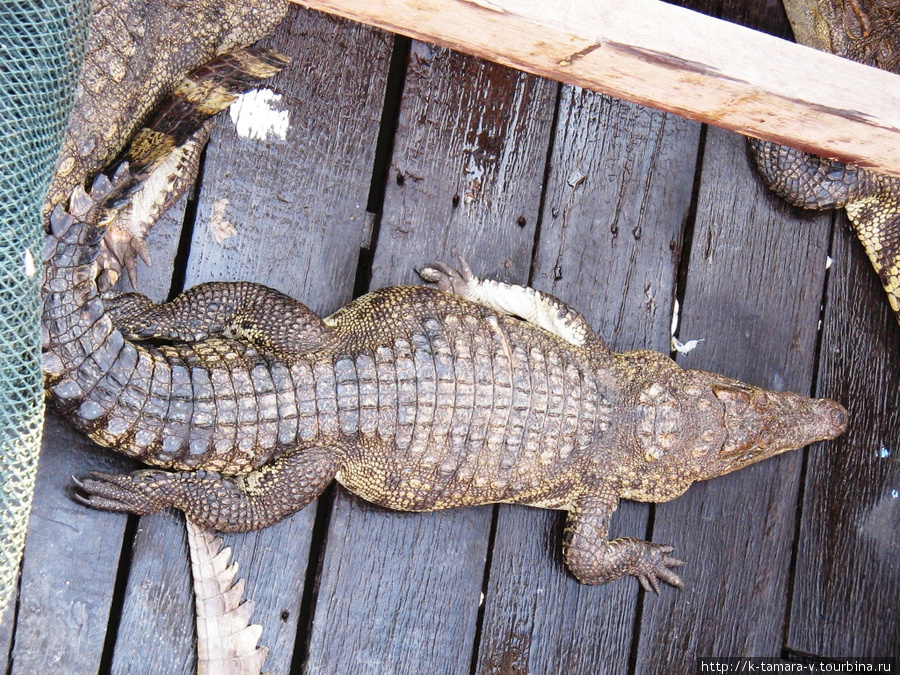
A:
(71, 561)
(616, 203)
(660, 55)
(753, 293)
(847, 580)
(301, 236)
(400, 592)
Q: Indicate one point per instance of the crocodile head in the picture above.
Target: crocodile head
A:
(755, 424)
(693, 425)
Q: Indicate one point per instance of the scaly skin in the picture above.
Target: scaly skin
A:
(136, 53)
(412, 397)
(867, 31)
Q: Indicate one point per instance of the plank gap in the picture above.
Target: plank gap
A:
(479, 621)
(179, 267)
(307, 609)
(804, 466)
(545, 181)
(687, 238)
(117, 602)
(387, 130)
(11, 617)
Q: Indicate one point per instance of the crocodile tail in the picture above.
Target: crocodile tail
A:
(71, 303)
(205, 92)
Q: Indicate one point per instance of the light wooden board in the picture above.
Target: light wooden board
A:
(657, 54)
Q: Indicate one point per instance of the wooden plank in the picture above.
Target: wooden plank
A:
(302, 236)
(400, 592)
(753, 292)
(71, 561)
(616, 202)
(656, 54)
(847, 580)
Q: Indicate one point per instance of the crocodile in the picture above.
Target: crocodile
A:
(867, 31)
(136, 53)
(459, 393)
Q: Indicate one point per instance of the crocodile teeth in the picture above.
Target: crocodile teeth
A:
(60, 221)
(101, 187)
(80, 202)
(121, 174)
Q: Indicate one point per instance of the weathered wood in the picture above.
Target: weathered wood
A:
(71, 561)
(753, 292)
(302, 236)
(615, 205)
(847, 578)
(656, 54)
(400, 592)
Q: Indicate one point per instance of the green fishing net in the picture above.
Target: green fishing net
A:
(41, 43)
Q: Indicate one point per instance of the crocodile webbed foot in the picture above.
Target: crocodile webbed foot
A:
(224, 503)
(593, 559)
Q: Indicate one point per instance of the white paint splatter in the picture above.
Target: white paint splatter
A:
(255, 117)
(895, 494)
(678, 345)
(221, 229)
(884, 453)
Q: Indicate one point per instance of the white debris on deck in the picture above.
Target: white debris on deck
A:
(255, 116)
(678, 345)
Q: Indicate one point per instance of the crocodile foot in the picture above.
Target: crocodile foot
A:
(127, 493)
(449, 280)
(656, 564)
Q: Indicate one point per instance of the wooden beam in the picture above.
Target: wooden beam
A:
(670, 58)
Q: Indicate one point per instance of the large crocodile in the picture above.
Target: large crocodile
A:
(867, 31)
(414, 398)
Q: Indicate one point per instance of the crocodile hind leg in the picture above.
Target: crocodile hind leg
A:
(249, 312)
(593, 559)
(536, 307)
(126, 238)
(223, 503)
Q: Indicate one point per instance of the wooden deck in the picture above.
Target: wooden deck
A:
(399, 153)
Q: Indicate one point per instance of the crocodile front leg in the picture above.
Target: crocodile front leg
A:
(593, 559)
(223, 503)
(245, 311)
(536, 307)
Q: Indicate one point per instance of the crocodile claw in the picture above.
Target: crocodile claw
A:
(448, 279)
(657, 565)
(126, 493)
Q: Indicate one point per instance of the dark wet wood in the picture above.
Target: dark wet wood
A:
(847, 578)
(753, 286)
(609, 227)
(302, 239)
(621, 179)
(465, 179)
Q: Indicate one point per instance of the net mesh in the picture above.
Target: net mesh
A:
(41, 43)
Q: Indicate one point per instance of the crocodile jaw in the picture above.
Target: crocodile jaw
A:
(759, 424)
